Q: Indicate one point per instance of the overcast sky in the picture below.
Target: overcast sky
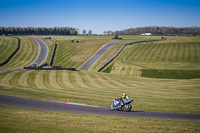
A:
(99, 15)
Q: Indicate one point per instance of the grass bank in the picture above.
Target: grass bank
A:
(27, 53)
(7, 46)
(181, 96)
(25, 120)
(178, 54)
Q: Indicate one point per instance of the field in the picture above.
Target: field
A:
(181, 54)
(73, 55)
(24, 120)
(100, 88)
(8, 45)
(27, 53)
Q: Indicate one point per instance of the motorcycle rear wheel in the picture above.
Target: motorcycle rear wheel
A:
(111, 107)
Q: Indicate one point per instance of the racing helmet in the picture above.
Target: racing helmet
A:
(124, 94)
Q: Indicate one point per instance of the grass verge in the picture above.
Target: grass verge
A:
(170, 74)
(26, 120)
(169, 95)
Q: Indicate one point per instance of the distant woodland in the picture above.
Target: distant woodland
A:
(38, 31)
(156, 30)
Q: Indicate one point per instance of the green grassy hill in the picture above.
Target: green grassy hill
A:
(99, 88)
(27, 53)
(73, 55)
(7, 46)
(174, 54)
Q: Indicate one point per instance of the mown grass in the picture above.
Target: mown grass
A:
(174, 54)
(180, 51)
(73, 55)
(7, 46)
(116, 48)
(101, 88)
(27, 53)
(26, 120)
(170, 74)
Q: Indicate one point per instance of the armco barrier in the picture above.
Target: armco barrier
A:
(120, 52)
(49, 68)
(7, 60)
(53, 54)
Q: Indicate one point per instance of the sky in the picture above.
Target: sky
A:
(99, 15)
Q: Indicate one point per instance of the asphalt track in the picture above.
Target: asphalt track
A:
(43, 52)
(98, 54)
(41, 57)
(25, 103)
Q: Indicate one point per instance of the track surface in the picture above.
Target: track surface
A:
(43, 52)
(41, 57)
(98, 54)
(18, 102)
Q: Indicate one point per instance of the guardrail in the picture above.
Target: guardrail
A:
(49, 68)
(120, 52)
(53, 54)
(9, 58)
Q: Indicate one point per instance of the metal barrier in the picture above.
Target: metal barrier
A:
(53, 54)
(49, 68)
(120, 52)
(9, 58)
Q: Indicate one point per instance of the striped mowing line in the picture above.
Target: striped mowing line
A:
(59, 78)
(6, 79)
(15, 61)
(73, 79)
(35, 51)
(79, 80)
(98, 81)
(15, 79)
(29, 53)
(152, 51)
(86, 79)
(31, 79)
(52, 80)
(157, 52)
(39, 81)
(114, 82)
(93, 82)
(66, 79)
(23, 79)
(104, 82)
(134, 53)
(127, 83)
(46, 81)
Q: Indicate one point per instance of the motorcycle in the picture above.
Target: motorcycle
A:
(119, 105)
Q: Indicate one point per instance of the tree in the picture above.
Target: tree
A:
(84, 32)
(89, 32)
(105, 32)
(38, 31)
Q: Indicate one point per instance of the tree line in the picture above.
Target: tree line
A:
(156, 30)
(85, 32)
(38, 31)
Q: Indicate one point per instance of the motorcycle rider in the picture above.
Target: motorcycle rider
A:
(122, 99)
(125, 97)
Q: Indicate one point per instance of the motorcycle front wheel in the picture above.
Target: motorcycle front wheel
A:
(127, 107)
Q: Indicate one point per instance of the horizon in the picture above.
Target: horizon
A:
(99, 15)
